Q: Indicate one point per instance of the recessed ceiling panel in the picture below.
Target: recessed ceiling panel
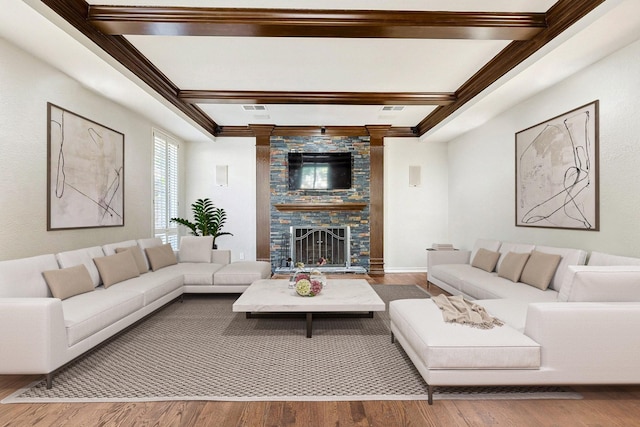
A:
(299, 64)
(303, 115)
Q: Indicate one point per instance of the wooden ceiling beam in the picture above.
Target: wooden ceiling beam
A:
(331, 98)
(192, 21)
(75, 12)
(561, 16)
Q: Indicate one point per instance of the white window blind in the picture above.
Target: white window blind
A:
(165, 179)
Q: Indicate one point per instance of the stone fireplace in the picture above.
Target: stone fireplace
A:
(294, 211)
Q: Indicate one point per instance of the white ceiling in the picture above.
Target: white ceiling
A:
(297, 64)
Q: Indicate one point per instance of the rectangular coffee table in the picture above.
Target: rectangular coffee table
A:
(351, 297)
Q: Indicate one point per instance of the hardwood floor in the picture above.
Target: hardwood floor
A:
(601, 406)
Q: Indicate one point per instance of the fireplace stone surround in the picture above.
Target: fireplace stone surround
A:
(351, 206)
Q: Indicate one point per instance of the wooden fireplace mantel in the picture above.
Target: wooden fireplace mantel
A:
(320, 206)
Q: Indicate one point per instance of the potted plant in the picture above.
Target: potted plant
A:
(208, 220)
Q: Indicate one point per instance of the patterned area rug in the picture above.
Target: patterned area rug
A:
(201, 350)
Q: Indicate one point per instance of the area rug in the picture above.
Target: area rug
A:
(200, 350)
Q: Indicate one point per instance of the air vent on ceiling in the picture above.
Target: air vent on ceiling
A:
(254, 107)
(393, 108)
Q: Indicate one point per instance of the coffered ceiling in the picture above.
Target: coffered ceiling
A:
(412, 64)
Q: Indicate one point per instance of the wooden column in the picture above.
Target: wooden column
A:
(376, 207)
(263, 191)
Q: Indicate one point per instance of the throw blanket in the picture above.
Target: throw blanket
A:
(456, 310)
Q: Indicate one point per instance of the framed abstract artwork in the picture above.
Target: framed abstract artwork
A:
(85, 173)
(557, 172)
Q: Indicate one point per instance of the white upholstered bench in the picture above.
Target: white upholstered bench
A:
(436, 347)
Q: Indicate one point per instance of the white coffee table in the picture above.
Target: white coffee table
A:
(350, 297)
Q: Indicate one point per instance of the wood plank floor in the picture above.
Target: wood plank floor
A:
(601, 406)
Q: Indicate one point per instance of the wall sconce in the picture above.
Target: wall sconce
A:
(414, 176)
(222, 175)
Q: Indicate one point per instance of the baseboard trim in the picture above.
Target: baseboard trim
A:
(405, 270)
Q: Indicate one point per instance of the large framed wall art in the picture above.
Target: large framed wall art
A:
(85, 172)
(557, 172)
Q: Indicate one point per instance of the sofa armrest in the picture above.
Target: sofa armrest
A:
(33, 335)
(587, 341)
(221, 256)
(447, 257)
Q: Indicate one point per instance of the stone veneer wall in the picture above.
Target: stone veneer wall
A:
(281, 221)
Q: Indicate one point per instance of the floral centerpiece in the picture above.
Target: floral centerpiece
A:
(307, 284)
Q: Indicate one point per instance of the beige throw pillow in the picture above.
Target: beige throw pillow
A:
(161, 256)
(67, 282)
(512, 265)
(138, 256)
(540, 269)
(485, 259)
(117, 268)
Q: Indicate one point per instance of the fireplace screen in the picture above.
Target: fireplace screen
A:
(321, 246)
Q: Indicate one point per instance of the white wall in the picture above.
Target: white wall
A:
(26, 85)
(482, 162)
(414, 217)
(238, 199)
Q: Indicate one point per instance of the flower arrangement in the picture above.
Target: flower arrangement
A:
(306, 284)
(308, 287)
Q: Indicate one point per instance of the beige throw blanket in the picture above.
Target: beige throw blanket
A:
(456, 310)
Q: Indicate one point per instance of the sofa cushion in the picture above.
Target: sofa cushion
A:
(149, 243)
(67, 282)
(82, 256)
(443, 345)
(195, 248)
(488, 244)
(600, 258)
(161, 256)
(196, 273)
(569, 257)
(242, 273)
(485, 259)
(615, 283)
(539, 269)
(510, 311)
(152, 285)
(507, 247)
(512, 266)
(116, 268)
(138, 256)
(23, 277)
(91, 312)
(490, 286)
(110, 248)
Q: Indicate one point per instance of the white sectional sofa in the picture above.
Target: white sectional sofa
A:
(580, 330)
(41, 333)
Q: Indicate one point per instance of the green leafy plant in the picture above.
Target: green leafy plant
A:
(208, 220)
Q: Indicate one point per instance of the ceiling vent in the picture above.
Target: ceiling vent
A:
(389, 108)
(254, 107)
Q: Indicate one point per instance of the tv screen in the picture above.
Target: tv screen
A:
(319, 171)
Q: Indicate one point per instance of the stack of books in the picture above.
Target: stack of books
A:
(442, 247)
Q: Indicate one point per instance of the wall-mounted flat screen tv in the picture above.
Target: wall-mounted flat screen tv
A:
(320, 171)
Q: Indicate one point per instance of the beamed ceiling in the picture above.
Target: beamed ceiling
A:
(335, 69)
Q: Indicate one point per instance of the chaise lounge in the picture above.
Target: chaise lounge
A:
(56, 307)
(575, 331)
